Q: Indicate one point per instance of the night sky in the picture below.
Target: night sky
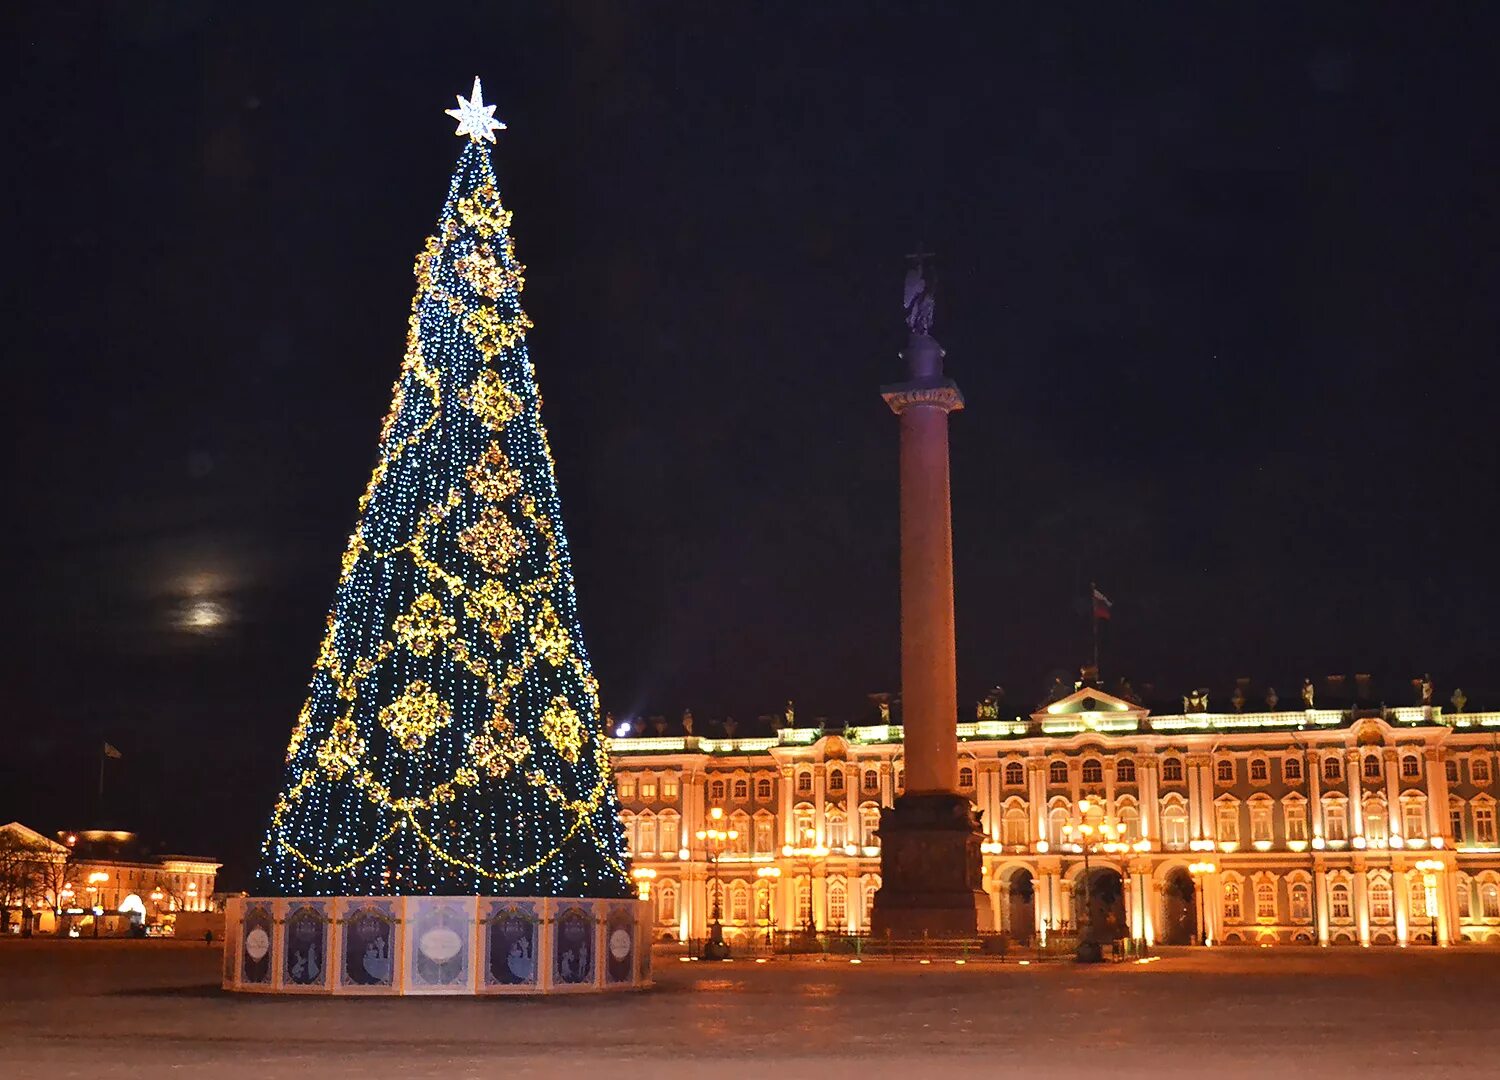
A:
(1219, 286)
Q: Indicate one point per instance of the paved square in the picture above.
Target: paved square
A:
(143, 1009)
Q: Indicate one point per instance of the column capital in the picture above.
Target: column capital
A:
(929, 393)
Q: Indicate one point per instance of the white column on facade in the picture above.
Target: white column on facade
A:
(1109, 788)
(1315, 798)
(1150, 786)
(1195, 801)
(1443, 929)
(1213, 906)
(1352, 768)
(1395, 826)
(1437, 796)
(887, 784)
(788, 819)
(991, 773)
(1041, 899)
(1206, 814)
(820, 898)
(1362, 899)
(1036, 797)
(1320, 889)
(999, 911)
(1402, 898)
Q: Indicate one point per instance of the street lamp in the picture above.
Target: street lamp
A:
(644, 876)
(1091, 831)
(1199, 870)
(96, 897)
(807, 856)
(714, 840)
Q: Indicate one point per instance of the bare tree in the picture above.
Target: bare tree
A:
(53, 874)
(19, 864)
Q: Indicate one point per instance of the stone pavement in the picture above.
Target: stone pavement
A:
(144, 1009)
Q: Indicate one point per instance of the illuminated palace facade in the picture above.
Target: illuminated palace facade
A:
(1334, 826)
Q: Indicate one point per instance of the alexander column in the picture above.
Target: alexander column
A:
(929, 856)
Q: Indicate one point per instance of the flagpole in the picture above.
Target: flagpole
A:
(100, 808)
(1094, 620)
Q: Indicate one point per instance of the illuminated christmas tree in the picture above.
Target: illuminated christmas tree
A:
(451, 741)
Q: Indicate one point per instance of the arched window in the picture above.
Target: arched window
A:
(1224, 771)
(1338, 901)
(966, 778)
(1171, 770)
(1017, 823)
(1380, 901)
(872, 886)
(716, 791)
(1057, 772)
(1489, 900)
(804, 783)
(872, 780)
(1375, 818)
(739, 843)
(763, 789)
(869, 826)
(1335, 820)
(1093, 771)
(1291, 769)
(1456, 820)
(836, 830)
(1057, 820)
(1450, 770)
(1125, 771)
(666, 902)
(1479, 769)
(765, 834)
(741, 790)
(1417, 896)
(802, 824)
(739, 903)
(1372, 766)
(1260, 820)
(1333, 768)
(1130, 822)
(1265, 900)
(1015, 775)
(1484, 824)
(671, 839)
(1227, 821)
(1174, 823)
(1260, 770)
(1233, 911)
(1301, 898)
(1465, 899)
(1414, 817)
(645, 834)
(1411, 767)
(836, 780)
(838, 907)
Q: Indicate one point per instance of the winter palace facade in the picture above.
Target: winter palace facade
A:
(1335, 826)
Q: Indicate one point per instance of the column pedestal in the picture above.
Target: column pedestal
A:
(931, 875)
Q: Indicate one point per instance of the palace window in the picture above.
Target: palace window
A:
(1057, 772)
(716, 791)
(645, 834)
(1479, 769)
(1174, 824)
(872, 780)
(802, 822)
(838, 914)
(765, 834)
(1489, 900)
(836, 780)
(1171, 770)
(1291, 769)
(1411, 768)
(1232, 909)
(966, 778)
(1333, 769)
(1260, 822)
(869, 826)
(762, 901)
(1456, 821)
(1227, 817)
(1224, 771)
(1265, 900)
(648, 788)
(1413, 818)
(1296, 820)
(1301, 898)
(627, 787)
(666, 902)
(1380, 902)
(1375, 822)
(1335, 822)
(1338, 901)
(1372, 766)
(669, 788)
(739, 903)
(1260, 770)
(804, 900)
(1450, 770)
(1484, 825)
(836, 830)
(1125, 771)
(901, 779)
(1093, 771)
(872, 886)
(1417, 894)
(1016, 824)
(627, 831)
(1015, 775)
(669, 831)
(763, 789)
(1057, 820)
(739, 824)
(804, 783)
(1465, 901)
(741, 790)
(1130, 823)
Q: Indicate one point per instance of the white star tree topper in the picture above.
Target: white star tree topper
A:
(475, 118)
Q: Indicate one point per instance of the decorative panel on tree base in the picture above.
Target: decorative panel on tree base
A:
(436, 945)
(930, 869)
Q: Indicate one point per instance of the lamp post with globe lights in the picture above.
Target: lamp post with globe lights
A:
(807, 857)
(771, 875)
(1201, 870)
(1092, 832)
(714, 841)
